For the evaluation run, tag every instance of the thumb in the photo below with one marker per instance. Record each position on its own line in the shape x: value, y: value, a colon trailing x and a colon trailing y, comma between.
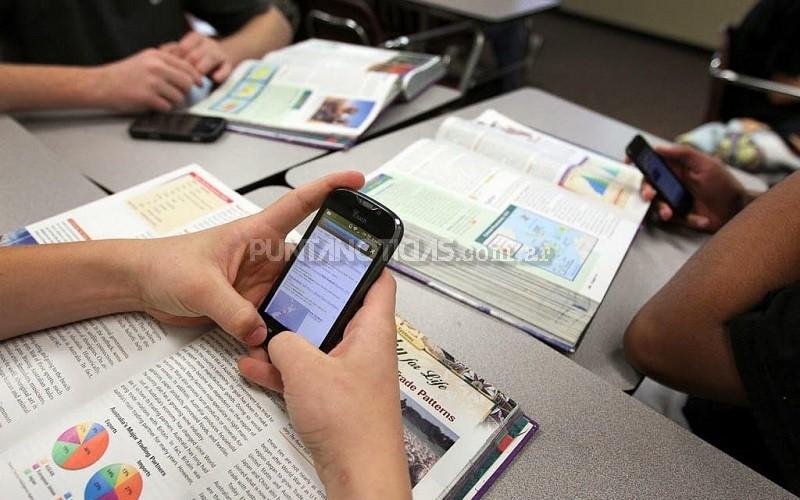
x: 235, y: 314
x: 290, y: 352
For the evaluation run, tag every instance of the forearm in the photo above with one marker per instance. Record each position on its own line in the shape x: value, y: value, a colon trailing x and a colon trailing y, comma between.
x: 680, y: 336
x: 262, y: 34
x: 48, y: 285
x: 24, y: 87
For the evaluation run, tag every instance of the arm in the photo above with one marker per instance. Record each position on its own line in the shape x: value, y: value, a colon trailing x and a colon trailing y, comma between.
x: 151, y: 79
x: 217, y: 274
x: 345, y: 406
x: 680, y: 337
x: 33, y: 87
x: 263, y: 33
x: 47, y: 285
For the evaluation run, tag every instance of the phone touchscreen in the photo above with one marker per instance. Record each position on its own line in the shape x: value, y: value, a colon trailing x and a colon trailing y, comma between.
x: 324, y: 275
x: 660, y: 174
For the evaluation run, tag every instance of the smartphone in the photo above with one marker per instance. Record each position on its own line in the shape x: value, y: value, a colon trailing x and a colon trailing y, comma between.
x: 660, y: 176
x: 177, y: 127
x: 324, y: 283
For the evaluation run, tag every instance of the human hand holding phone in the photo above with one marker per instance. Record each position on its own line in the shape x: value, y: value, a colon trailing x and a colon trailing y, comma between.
x: 717, y: 194
x: 345, y: 404
x: 223, y: 273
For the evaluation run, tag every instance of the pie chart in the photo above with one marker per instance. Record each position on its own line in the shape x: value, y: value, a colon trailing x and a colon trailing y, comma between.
x: 80, y: 446
x: 114, y: 482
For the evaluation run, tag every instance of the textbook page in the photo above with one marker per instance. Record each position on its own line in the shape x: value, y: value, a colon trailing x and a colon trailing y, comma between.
x: 189, y: 426
x: 44, y: 374
x: 525, y: 250
x: 555, y: 161
x: 284, y: 93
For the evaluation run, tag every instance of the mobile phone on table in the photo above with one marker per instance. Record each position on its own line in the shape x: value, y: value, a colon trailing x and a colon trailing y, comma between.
x: 330, y: 271
x: 660, y: 175
x: 177, y: 127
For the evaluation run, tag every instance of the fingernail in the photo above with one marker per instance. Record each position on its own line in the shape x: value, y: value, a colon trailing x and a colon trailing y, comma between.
x: 256, y: 337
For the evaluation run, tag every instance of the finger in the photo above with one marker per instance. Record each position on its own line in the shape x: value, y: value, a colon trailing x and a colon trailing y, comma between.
x: 261, y: 373
x: 170, y: 48
x: 207, y: 62
x: 379, y: 303
x: 697, y: 221
x: 373, y: 326
x: 195, y: 56
x: 181, y: 66
x: 181, y: 81
x: 292, y: 355
x: 648, y: 192
x: 290, y: 210
x: 171, y: 93
x: 222, y: 73
x: 190, y: 41
x: 664, y: 211
x: 158, y: 103
x: 232, y: 312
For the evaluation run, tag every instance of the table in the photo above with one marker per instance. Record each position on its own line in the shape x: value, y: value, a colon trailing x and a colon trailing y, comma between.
x: 655, y: 253
x: 494, y: 11
x: 98, y: 144
x: 595, y: 440
x: 476, y: 16
x: 34, y: 184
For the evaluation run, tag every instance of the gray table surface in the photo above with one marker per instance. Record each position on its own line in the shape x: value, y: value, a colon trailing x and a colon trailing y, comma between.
x: 491, y: 11
x: 98, y: 144
x: 655, y: 254
x: 34, y: 183
x: 595, y: 441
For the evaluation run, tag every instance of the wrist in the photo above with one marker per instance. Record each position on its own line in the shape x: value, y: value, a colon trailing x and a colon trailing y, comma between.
x: 92, y: 88
x: 125, y: 270
x: 368, y: 469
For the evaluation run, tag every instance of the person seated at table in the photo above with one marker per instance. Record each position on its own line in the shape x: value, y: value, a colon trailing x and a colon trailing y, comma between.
x: 725, y: 329
x: 128, y: 56
x: 211, y: 275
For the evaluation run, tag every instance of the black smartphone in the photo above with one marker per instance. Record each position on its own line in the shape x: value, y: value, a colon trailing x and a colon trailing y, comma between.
x: 660, y: 176
x: 177, y: 127
x: 324, y: 283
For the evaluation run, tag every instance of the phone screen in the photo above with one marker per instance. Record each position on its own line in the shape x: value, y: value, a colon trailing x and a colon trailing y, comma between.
x: 324, y: 275
x: 661, y: 176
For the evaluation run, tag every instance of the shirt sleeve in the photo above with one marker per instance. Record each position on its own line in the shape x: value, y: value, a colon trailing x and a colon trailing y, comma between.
x: 766, y: 348
x: 227, y: 16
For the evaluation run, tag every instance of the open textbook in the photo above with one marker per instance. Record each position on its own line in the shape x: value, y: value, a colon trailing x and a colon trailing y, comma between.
x: 319, y: 92
x: 123, y: 407
x: 519, y: 224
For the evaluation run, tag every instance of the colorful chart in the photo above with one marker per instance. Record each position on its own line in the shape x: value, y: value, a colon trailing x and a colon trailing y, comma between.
x: 80, y: 446
x: 114, y: 482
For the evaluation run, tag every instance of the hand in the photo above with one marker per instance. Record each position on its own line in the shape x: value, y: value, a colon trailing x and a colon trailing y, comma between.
x: 224, y: 273
x: 718, y: 196
x: 345, y: 406
x: 150, y: 79
x: 204, y: 53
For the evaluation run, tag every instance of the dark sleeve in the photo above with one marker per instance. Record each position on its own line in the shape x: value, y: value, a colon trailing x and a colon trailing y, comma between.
x: 766, y: 42
x: 766, y: 348
x: 227, y: 16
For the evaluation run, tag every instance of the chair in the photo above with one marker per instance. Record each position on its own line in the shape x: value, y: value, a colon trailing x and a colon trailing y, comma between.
x: 735, y: 93
x: 352, y: 21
